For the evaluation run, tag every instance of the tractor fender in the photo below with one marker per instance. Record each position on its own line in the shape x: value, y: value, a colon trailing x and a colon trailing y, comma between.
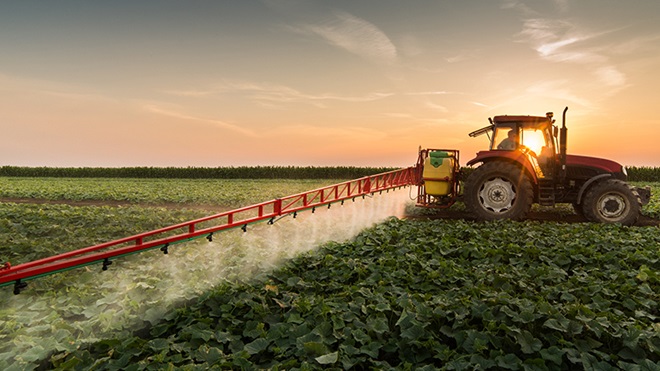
x: 510, y: 156
x: 588, y: 183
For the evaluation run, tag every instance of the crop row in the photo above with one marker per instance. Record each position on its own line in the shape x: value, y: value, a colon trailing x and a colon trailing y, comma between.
x: 635, y: 173
x: 229, y: 193
x: 423, y: 295
x: 239, y: 172
x: 644, y: 174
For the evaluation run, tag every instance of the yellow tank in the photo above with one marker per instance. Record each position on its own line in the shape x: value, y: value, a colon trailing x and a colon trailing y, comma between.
x: 438, y: 173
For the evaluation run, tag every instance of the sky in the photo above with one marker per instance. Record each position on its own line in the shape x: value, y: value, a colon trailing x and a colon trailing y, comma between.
x: 319, y: 83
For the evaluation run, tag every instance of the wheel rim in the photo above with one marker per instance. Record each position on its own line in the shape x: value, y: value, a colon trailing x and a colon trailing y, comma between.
x: 497, y: 195
x: 612, y: 206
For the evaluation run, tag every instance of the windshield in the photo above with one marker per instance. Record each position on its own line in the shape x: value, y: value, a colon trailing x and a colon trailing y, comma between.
x: 509, y: 138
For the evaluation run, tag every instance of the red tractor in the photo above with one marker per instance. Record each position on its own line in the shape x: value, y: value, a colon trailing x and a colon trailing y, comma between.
x: 527, y: 163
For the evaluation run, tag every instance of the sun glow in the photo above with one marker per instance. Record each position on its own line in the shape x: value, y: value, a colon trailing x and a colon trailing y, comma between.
x: 533, y: 140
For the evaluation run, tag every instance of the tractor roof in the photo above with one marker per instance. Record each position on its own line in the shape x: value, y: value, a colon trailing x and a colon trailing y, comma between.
x: 526, y: 121
x: 534, y: 122
x: 507, y: 118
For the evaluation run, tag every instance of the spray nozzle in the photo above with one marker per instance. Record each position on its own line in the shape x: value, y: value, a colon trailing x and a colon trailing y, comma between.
x: 106, y: 263
x: 244, y: 228
x: 210, y: 237
x: 164, y: 249
x: 18, y: 286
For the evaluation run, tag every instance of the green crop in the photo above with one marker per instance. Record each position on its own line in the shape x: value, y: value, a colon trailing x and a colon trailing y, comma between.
x: 643, y: 173
x: 30, y: 232
x: 228, y: 193
x: 410, y: 294
x: 239, y: 172
x: 404, y: 294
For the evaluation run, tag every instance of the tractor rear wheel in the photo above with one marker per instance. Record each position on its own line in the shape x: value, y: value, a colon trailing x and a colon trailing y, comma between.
x: 498, y: 190
x: 611, y: 201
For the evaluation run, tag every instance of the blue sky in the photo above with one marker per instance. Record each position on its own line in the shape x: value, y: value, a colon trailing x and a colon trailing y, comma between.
x: 220, y: 83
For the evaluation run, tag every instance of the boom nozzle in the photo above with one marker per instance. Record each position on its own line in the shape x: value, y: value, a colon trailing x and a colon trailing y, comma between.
x: 18, y: 286
x: 106, y: 263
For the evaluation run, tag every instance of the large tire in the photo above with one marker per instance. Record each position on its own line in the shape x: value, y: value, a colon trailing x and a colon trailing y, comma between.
x: 611, y: 201
x: 498, y: 190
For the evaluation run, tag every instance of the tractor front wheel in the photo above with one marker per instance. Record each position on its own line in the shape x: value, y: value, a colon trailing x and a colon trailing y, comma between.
x: 611, y: 201
x: 498, y: 190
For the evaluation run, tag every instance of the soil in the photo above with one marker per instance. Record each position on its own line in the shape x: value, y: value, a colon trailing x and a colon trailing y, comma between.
x: 643, y: 221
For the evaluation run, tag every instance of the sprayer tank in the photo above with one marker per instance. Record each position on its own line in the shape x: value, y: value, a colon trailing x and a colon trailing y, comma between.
x: 438, y: 173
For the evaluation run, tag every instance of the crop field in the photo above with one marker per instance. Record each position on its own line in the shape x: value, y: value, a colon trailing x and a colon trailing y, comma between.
x: 225, y: 193
x: 347, y: 287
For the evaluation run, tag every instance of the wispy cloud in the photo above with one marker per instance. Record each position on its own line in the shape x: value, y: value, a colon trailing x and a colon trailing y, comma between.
x: 272, y: 94
x: 564, y: 42
x: 559, y: 90
x: 526, y: 10
x: 165, y: 111
x: 431, y: 92
x: 480, y: 104
x: 354, y: 35
x: 353, y: 132
x: 519, y: 6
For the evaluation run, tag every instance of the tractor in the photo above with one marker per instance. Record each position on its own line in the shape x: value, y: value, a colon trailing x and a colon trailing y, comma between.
x: 527, y: 163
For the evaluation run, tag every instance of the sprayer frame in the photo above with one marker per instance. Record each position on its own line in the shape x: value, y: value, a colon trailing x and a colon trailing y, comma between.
x: 239, y: 218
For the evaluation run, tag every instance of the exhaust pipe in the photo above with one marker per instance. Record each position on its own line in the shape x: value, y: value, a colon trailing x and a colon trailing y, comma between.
x: 563, y: 138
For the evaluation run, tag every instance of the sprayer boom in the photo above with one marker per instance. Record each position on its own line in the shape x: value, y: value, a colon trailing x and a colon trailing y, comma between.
x: 240, y: 218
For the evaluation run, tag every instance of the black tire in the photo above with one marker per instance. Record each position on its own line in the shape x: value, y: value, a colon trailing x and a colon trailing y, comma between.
x: 611, y: 201
x: 498, y: 190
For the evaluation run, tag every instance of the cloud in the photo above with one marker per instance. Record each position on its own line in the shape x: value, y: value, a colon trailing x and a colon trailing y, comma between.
x: 563, y: 42
x: 157, y: 109
x: 355, y: 133
x: 524, y: 9
x: 432, y: 92
x: 268, y: 94
x: 648, y: 43
x: 356, y: 36
x: 561, y: 90
x: 519, y: 6
x: 611, y: 76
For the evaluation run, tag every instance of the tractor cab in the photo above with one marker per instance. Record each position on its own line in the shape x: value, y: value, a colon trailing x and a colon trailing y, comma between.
x: 529, y: 139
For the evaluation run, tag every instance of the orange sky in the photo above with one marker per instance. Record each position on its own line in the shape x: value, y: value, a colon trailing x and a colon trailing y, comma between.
x: 292, y: 82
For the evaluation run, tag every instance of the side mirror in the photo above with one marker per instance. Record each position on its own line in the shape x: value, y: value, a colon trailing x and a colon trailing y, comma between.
x: 555, y: 131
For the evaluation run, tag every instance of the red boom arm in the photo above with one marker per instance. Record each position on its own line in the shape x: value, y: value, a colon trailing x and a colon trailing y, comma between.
x: 162, y: 237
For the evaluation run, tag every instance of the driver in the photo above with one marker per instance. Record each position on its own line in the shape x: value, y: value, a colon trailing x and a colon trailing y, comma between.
x: 510, y: 142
